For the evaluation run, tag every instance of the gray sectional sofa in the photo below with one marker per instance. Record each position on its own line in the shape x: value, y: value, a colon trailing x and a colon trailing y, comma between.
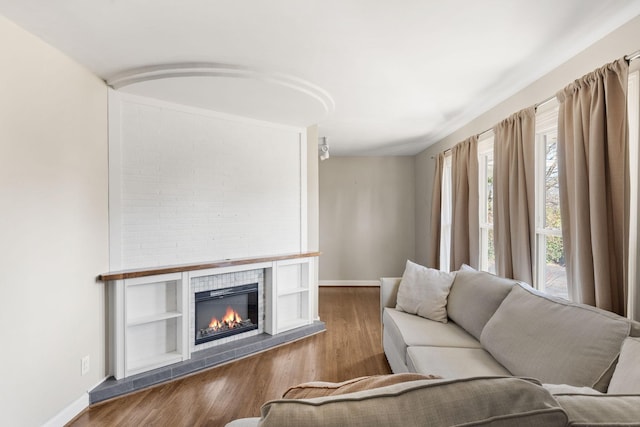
x: 498, y: 326
x: 507, y: 354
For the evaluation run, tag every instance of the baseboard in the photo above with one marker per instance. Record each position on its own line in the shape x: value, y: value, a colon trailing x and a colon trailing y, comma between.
x: 348, y: 283
x: 70, y: 412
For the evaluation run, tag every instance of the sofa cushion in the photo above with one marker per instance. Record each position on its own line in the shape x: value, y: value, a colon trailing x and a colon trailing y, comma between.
x: 403, y: 329
x: 626, y: 377
x: 413, y: 330
x: 474, y: 297
x: 499, y: 401
x: 321, y: 388
x: 450, y: 362
x: 423, y: 291
x: 554, y: 340
x: 601, y: 410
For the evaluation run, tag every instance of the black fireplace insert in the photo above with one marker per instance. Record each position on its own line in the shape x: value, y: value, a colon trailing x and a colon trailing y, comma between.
x: 224, y: 312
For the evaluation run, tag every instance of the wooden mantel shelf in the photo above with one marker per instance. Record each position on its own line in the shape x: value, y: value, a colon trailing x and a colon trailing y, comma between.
x: 143, y: 272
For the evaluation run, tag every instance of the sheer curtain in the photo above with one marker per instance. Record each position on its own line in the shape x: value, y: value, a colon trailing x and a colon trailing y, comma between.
x: 465, y: 229
x: 514, y: 195
x: 436, y: 201
x: 593, y: 171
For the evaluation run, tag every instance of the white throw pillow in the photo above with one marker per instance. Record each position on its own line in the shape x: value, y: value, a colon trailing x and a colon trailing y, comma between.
x: 466, y: 267
x: 626, y: 377
x: 424, y: 291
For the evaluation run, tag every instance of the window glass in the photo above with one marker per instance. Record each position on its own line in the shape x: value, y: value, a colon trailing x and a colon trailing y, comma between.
x: 445, y: 216
x: 485, y: 193
x: 549, y: 262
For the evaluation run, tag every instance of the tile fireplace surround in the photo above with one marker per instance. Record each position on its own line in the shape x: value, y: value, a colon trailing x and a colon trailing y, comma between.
x: 151, y: 317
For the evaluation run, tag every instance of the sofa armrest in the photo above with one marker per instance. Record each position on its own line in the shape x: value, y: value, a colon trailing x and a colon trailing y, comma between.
x: 388, y: 292
x: 603, y: 409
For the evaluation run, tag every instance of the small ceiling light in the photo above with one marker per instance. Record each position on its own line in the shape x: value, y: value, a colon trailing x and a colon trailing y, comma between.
x: 323, y: 148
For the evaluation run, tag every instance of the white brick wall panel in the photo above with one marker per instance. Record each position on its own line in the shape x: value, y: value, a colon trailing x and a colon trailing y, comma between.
x: 196, y: 187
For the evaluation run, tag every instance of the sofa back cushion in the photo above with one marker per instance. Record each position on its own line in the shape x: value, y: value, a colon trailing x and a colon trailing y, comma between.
x: 626, y: 377
x: 474, y: 297
x: 554, y: 340
x: 497, y: 401
x: 635, y: 329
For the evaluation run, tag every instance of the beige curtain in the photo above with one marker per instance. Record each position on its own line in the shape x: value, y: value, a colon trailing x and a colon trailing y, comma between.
x: 465, y: 230
x: 433, y: 260
x: 594, y: 185
x: 514, y: 195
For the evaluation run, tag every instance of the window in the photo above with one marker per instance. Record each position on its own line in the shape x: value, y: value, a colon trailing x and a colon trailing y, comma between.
x: 485, y: 193
x: 550, y: 272
x: 445, y: 215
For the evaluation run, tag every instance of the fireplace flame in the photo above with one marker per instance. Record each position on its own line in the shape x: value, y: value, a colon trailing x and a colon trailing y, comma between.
x: 230, y: 320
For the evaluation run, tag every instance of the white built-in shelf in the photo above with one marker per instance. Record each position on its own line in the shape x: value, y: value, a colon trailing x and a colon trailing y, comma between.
x: 289, y: 295
x: 152, y: 362
x: 153, y: 318
x: 292, y: 324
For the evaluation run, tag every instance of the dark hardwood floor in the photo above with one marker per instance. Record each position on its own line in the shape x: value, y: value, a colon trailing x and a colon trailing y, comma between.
x: 351, y: 347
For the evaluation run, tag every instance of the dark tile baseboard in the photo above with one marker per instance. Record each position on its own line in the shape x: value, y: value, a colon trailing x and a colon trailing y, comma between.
x: 200, y: 360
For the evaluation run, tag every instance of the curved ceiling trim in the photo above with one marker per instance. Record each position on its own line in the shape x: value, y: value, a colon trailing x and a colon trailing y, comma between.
x: 168, y: 71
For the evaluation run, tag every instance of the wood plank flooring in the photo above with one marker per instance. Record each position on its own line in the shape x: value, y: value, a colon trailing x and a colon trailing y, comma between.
x: 351, y: 347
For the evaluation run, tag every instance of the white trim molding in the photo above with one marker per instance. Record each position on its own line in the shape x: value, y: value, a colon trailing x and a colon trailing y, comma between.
x: 216, y: 70
x: 70, y: 412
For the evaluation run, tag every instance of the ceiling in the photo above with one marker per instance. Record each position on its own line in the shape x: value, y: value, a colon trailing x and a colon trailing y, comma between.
x: 378, y: 77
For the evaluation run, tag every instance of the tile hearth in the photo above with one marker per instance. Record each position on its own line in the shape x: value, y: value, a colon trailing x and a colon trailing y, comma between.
x: 200, y: 360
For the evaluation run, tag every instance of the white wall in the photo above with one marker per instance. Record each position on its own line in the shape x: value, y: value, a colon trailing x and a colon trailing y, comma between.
x: 53, y: 228
x: 367, y: 213
x: 189, y: 185
x: 623, y: 41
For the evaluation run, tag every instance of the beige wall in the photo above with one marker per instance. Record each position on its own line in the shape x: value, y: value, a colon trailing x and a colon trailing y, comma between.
x: 621, y: 42
x: 366, y: 217
x: 53, y: 204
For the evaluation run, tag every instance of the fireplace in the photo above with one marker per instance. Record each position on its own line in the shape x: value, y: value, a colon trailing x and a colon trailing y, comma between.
x: 224, y: 312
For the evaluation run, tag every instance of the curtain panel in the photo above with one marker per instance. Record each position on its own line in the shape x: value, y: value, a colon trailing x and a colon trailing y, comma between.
x: 593, y: 160
x: 433, y: 260
x: 514, y: 195
x: 465, y: 229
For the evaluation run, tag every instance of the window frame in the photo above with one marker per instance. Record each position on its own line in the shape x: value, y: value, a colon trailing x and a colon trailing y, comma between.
x: 633, y: 116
